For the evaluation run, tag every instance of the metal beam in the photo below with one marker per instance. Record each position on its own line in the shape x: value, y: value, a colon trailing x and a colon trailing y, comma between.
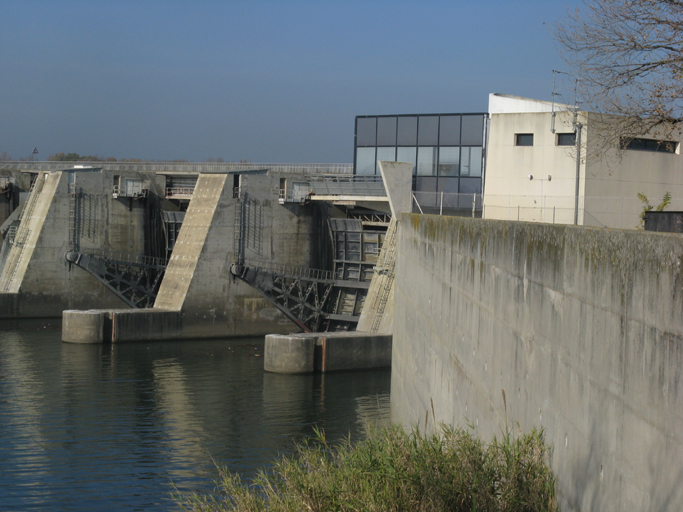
x: 134, y: 282
x: 303, y: 299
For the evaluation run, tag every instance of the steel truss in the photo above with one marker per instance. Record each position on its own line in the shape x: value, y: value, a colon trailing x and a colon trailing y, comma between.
x: 134, y: 282
x: 303, y: 296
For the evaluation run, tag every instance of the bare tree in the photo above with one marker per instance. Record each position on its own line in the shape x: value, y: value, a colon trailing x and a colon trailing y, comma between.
x: 628, y: 58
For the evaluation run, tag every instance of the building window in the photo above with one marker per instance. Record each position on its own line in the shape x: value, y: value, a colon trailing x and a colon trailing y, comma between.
x: 662, y: 146
x: 446, y: 150
x: 524, y: 139
x: 426, y: 161
x: 366, y: 131
x: 365, y: 161
x: 386, y: 131
x: 470, y: 164
x: 566, y: 139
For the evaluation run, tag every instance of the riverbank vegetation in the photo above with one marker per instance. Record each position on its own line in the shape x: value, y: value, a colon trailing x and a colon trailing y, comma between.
x: 392, y: 470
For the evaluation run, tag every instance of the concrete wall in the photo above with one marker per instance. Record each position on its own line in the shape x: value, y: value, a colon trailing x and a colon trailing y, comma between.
x: 508, y: 168
x: 42, y: 279
x: 10, y: 195
x: 326, y: 352
x: 198, y: 278
x: 610, y: 179
x: 581, y: 329
x: 625, y: 174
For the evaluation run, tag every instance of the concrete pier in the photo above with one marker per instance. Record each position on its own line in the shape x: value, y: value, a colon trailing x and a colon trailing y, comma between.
x: 326, y: 352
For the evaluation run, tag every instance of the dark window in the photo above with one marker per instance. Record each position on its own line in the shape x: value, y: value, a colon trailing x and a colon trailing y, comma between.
x: 386, y: 131
x: 407, y: 131
x: 449, y: 131
x: 366, y: 129
x: 566, y: 139
x: 524, y: 139
x: 449, y: 161
x: 470, y: 185
x: 448, y: 185
x: 472, y: 131
x: 663, y: 146
x: 425, y: 184
x: 428, y: 131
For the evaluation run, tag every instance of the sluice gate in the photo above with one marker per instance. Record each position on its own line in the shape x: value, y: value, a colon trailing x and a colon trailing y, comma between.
x: 323, y: 300
x: 135, y: 280
x: 308, y: 297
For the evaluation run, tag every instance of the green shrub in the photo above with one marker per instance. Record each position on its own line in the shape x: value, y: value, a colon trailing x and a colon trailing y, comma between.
x: 393, y: 470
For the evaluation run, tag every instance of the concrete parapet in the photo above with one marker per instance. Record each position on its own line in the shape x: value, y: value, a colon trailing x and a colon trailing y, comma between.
x: 289, y: 353
x: 326, y: 352
x: 352, y: 351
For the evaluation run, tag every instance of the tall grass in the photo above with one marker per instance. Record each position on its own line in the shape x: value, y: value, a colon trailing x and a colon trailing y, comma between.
x: 393, y: 470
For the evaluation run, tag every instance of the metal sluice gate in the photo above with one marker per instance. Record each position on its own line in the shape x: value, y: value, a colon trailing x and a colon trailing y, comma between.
x: 310, y: 298
x: 134, y: 282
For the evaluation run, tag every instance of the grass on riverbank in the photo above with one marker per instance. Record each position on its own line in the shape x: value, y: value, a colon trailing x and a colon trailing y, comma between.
x: 393, y: 470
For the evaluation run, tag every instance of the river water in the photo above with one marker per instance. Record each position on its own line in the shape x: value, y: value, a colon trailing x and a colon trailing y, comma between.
x: 116, y: 427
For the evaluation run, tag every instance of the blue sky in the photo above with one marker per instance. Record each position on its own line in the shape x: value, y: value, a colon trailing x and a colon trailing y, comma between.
x: 266, y: 81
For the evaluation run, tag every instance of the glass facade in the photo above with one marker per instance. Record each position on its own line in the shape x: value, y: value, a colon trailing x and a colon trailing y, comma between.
x: 447, y: 150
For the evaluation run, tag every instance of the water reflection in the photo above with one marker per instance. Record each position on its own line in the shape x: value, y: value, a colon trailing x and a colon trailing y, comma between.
x: 107, y: 427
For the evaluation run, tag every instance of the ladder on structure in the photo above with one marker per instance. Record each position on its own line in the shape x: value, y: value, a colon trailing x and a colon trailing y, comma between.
x: 239, y: 227
x: 22, y: 233
x: 386, y: 265
x: 73, y: 227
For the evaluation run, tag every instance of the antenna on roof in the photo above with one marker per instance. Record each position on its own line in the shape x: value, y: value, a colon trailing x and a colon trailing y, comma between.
x: 554, y: 113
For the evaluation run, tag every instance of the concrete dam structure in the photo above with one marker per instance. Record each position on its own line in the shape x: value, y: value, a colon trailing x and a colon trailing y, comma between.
x: 108, y: 233
x: 574, y: 330
x: 63, y: 211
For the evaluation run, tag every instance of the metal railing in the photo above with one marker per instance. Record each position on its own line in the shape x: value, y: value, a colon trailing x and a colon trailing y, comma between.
x: 120, y: 191
x: 293, y: 196
x: 442, y: 203
x: 295, y: 272
x: 180, y: 192
x: 347, y: 186
x: 599, y: 211
x: 184, y: 167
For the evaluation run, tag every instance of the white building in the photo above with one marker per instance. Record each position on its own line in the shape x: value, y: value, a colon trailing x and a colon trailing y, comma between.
x: 532, y: 171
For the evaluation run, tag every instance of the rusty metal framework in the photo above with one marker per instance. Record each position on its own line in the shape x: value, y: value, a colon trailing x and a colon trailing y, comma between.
x: 135, y: 280
x: 305, y: 296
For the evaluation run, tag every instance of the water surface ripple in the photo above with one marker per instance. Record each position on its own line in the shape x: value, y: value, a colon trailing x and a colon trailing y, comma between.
x: 114, y: 427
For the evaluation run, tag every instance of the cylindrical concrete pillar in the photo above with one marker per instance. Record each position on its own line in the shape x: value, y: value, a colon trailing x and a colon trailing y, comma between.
x: 289, y: 353
x: 83, y: 326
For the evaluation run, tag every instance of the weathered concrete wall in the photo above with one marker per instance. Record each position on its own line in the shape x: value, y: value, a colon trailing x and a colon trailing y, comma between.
x: 40, y: 276
x: 326, y: 352
x: 12, y: 184
x: 580, y: 328
x: 198, y: 287
x: 198, y: 278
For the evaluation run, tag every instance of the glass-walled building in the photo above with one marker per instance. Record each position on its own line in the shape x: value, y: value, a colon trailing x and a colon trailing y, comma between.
x: 447, y: 150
